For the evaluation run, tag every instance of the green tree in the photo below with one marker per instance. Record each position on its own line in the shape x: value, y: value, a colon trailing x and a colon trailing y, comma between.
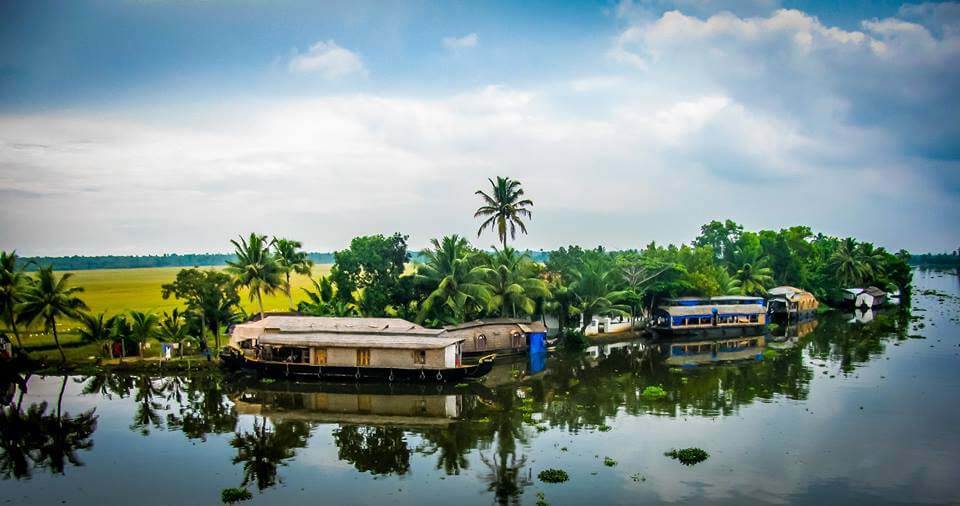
x: 173, y: 329
x: 372, y: 267
x: 13, y: 284
x: 319, y: 299
x: 48, y: 299
x: 96, y: 329
x: 513, y: 283
x: 452, y: 270
x: 753, y: 279
x: 291, y: 259
x: 504, y: 209
x: 143, y: 326
x: 255, y: 268
x: 848, y: 265
x: 209, y: 295
x: 594, y: 293
x: 721, y: 236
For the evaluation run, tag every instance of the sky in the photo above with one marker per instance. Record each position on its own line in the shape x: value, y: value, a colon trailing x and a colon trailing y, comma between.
x: 160, y: 126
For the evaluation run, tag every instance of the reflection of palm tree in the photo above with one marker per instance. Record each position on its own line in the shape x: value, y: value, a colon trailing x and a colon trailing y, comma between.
x: 35, y: 438
x: 263, y: 450
x: 377, y: 450
x: 205, y: 409
x: 453, y: 443
x: 505, y: 478
x: 147, y: 405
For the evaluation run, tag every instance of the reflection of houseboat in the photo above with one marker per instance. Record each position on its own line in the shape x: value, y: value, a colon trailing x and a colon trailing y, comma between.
x: 501, y: 335
x: 709, y: 351
x: 346, y: 406
x: 388, y: 349
x: 792, y: 333
x: 791, y: 302
x: 699, y: 314
x: 864, y: 297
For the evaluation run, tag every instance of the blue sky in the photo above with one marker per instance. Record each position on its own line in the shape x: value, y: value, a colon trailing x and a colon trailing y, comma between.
x: 151, y: 126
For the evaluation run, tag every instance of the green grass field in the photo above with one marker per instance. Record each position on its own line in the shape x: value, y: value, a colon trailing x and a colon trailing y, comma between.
x: 123, y: 290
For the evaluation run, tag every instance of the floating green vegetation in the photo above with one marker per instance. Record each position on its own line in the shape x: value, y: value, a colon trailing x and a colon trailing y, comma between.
x: 609, y: 462
x: 267, y: 381
x: 235, y: 495
x: 541, y: 500
x: 637, y: 477
x: 604, y: 428
x: 462, y: 385
x: 688, y: 456
x: 553, y: 476
x: 770, y: 354
x: 654, y: 392
x: 541, y: 428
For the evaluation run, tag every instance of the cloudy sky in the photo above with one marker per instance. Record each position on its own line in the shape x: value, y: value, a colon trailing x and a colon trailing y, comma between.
x: 156, y: 126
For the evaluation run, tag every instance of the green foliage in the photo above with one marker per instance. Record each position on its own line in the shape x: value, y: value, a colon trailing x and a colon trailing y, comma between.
x: 609, y: 462
x: 49, y: 298
x: 255, y: 268
x: 553, y: 476
x: 504, y: 209
x: 457, y: 280
x: 688, y: 456
x: 290, y: 259
x: 654, y: 392
x: 371, y: 268
x: 235, y: 495
x: 210, y: 296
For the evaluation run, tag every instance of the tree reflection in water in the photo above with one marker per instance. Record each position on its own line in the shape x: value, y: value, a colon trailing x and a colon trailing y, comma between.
x: 262, y: 450
x: 377, y: 450
x: 33, y: 438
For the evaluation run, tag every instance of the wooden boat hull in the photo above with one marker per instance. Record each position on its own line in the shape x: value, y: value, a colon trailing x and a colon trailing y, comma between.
x: 233, y: 359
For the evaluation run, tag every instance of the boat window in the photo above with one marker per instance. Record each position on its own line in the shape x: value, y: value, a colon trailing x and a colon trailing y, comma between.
x: 420, y: 356
x: 320, y: 356
x: 363, y: 357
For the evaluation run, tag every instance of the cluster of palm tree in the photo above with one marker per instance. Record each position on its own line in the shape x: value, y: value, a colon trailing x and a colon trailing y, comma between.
x: 855, y: 263
x: 264, y: 267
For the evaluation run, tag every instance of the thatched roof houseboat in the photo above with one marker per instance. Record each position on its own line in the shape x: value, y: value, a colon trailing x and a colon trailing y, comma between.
x: 791, y: 301
x: 388, y: 349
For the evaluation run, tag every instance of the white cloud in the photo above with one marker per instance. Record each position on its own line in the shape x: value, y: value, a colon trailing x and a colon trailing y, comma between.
x: 329, y: 60
x: 455, y: 43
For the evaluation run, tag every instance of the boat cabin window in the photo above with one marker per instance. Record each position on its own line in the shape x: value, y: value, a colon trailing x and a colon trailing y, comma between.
x: 363, y: 357
x: 246, y: 344
x: 286, y: 354
x: 419, y: 356
x: 320, y: 356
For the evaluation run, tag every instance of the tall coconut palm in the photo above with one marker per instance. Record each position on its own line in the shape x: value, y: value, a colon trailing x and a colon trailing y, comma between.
x: 453, y: 272
x: 872, y: 259
x: 173, y: 329
x: 255, y: 268
x: 513, y: 284
x: 753, y: 279
x: 96, y: 329
x: 143, y: 326
x: 504, y: 208
x: 291, y: 259
x: 13, y: 283
x: 848, y: 265
x: 49, y: 298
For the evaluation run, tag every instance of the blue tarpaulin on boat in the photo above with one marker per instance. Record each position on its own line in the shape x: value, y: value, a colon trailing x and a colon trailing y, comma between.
x: 538, y: 362
x: 538, y: 342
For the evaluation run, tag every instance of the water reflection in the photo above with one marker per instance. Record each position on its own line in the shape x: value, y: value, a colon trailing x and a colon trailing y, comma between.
x: 263, y: 449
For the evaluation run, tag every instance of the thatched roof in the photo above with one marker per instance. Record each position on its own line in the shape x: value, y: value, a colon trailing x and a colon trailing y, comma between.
x: 524, y: 325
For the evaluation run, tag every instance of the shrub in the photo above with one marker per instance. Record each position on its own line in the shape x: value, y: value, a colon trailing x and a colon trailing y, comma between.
x: 235, y: 495
x: 688, y: 456
x: 553, y: 476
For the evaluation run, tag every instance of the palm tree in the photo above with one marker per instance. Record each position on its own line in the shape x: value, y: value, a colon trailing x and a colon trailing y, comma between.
x: 727, y: 284
x: 504, y: 208
x: 595, y: 295
x: 513, y: 283
x: 872, y: 258
x: 143, y: 326
x: 13, y: 283
x: 49, y: 298
x: 96, y: 329
x: 173, y: 329
x: 319, y: 299
x: 290, y: 259
x: 753, y: 279
x: 255, y: 268
x: 452, y: 270
x: 848, y: 265
x: 120, y: 331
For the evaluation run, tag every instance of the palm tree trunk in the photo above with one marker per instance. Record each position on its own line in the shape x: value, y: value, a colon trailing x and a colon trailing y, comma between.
x: 260, y: 303
x: 16, y: 334
x: 289, y: 295
x: 56, y: 339
x: 216, y: 335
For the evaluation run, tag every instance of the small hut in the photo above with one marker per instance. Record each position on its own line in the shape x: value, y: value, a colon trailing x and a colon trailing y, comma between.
x: 791, y: 301
x: 500, y: 335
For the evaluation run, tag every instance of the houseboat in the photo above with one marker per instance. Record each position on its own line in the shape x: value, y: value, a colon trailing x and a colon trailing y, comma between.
x: 328, y: 348
x: 790, y: 302
x: 727, y: 314
x: 504, y: 336
x: 865, y: 298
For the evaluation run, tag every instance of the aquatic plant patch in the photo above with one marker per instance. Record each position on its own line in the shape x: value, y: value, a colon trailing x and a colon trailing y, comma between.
x: 609, y: 462
x: 654, y: 392
x: 688, y: 456
x: 235, y: 495
x: 553, y: 476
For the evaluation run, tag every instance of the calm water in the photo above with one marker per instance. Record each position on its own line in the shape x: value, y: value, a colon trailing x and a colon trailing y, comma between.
x: 848, y: 412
